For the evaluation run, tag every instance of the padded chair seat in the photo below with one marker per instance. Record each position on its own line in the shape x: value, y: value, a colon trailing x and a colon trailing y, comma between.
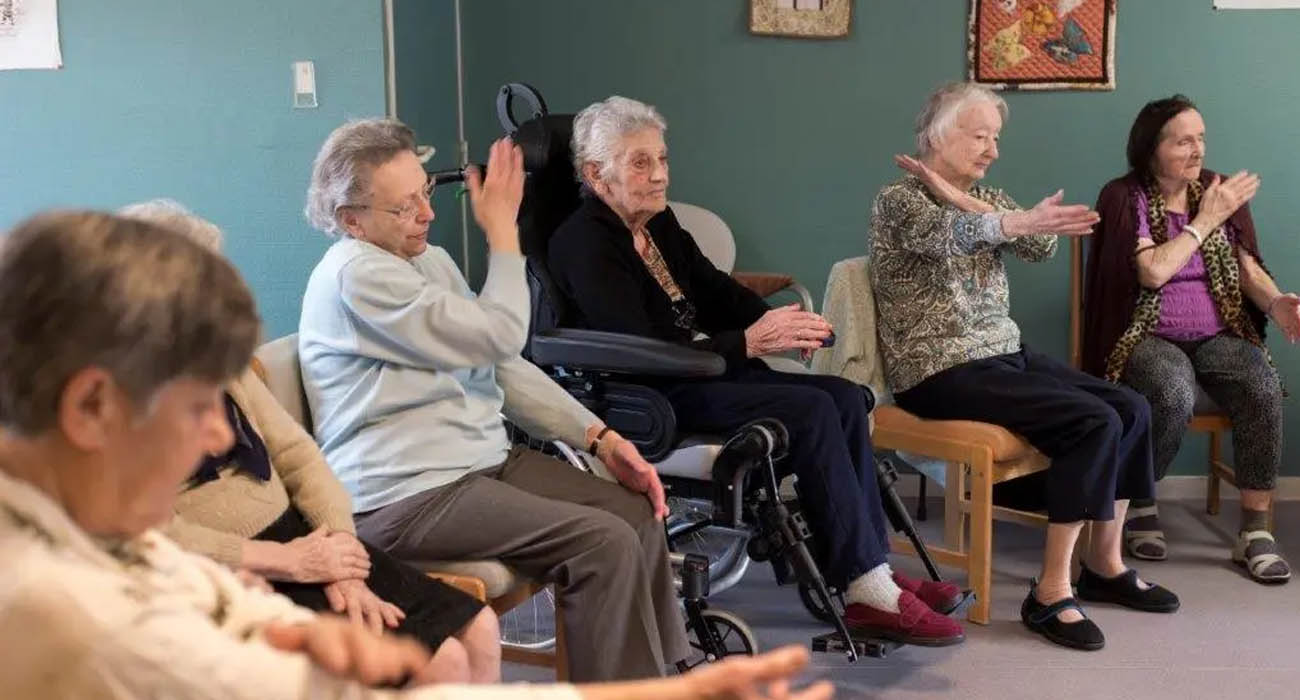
x: 1006, y: 445
x: 498, y: 578
x: 693, y: 458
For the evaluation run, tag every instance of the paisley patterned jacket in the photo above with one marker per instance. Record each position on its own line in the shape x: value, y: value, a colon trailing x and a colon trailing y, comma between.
x: 939, y: 281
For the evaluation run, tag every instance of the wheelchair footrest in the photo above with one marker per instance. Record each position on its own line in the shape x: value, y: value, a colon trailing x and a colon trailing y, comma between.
x: 875, y: 647
x: 967, y: 598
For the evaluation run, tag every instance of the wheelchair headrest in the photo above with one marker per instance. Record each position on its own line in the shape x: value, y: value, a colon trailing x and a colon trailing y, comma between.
x: 547, y: 141
x: 551, y: 191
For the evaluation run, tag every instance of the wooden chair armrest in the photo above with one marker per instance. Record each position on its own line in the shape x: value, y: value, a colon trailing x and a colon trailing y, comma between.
x: 468, y: 584
x: 258, y: 368
x: 764, y: 284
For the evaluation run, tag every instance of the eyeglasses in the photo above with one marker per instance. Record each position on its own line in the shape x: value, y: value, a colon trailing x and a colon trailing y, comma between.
x: 405, y: 213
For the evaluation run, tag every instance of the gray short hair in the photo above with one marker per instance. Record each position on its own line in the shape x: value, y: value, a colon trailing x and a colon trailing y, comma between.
x: 942, y: 107
x: 341, y: 173
x: 598, y: 130
x: 173, y: 215
x: 83, y: 289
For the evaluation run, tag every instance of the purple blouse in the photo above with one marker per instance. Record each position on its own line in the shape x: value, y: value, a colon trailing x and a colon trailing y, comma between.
x: 1187, y: 309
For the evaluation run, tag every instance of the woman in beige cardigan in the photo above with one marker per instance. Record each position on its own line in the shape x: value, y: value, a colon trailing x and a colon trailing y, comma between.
x: 272, y: 506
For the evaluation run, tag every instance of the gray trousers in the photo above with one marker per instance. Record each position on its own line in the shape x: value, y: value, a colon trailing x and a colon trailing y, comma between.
x: 1236, y: 374
x: 597, y: 541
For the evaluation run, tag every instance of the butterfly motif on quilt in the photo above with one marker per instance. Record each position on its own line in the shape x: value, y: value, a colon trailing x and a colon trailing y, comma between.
x: 1072, y: 44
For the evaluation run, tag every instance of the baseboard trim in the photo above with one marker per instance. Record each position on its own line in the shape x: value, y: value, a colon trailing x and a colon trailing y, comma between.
x: 1169, y: 488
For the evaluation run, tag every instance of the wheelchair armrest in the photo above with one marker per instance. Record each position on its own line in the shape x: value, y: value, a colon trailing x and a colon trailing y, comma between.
x: 765, y: 284
x: 623, y: 354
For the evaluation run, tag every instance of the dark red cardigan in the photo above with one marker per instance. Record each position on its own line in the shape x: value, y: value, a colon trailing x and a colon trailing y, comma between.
x: 1110, y: 283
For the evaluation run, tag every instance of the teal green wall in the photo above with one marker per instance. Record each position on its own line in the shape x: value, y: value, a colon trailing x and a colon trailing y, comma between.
x: 788, y: 140
x: 191, y: 100
x: 425, y: 38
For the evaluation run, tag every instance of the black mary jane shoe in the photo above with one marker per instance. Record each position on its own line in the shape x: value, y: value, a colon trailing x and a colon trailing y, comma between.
x: 1123, y: 590
x: 1084, y: 634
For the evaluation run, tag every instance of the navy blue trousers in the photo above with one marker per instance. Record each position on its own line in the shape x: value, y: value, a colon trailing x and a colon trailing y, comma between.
x: 830, y: 454
x: 1097, y: 433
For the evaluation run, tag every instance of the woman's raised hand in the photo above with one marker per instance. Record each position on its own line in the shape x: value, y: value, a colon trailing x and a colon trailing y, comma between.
x: 942, y: 190
x: 1223, y: 198
x: 496, y: 197
x: 1050, y: 217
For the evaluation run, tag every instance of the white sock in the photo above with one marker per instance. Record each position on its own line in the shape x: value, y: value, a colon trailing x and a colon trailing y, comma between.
x: 875, y: 589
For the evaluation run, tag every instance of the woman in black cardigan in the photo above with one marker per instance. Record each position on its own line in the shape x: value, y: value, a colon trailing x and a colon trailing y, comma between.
x: 627, y: 266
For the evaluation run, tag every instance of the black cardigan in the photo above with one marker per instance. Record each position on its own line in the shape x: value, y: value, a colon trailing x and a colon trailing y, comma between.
x: 594, y: 265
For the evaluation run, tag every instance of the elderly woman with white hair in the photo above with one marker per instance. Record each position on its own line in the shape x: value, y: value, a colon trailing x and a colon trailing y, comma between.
x: 408, y: 373
x: 952, y: 352
x: 270, y: 505
x: 130, y: 332
x: 627, y: 266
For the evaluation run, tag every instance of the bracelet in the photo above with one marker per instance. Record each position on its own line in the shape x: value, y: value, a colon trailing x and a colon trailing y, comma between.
x: 1200, y: 237
x: 1271, y: 304
x: 601, y: 434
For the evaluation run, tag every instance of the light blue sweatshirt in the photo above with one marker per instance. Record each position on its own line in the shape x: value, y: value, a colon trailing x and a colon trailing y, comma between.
x: 408, y: 372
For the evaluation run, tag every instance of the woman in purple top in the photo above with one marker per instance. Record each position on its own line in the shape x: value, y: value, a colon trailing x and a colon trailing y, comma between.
x: 1176, y: 298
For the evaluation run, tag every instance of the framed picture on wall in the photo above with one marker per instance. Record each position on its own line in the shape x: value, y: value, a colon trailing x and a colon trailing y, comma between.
x: 1042, y: 44
x: 804, y: 19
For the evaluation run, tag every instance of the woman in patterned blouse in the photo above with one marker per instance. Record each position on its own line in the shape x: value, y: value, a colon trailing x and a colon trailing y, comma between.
x: 952, y: 352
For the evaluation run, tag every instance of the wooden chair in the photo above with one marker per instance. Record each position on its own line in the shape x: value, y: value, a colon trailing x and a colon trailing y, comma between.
x: 276, y: 363
x: 1207, y: 417
x: 978, y: 455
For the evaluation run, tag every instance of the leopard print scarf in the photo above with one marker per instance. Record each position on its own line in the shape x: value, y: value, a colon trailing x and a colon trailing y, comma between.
x: 1221, y: 268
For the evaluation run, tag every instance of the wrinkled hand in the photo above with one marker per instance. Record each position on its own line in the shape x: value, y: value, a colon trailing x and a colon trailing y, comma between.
x: 763, y: 677
x: 325, y: 557
x: 352, y: 651
x: 362, y: 606
x: 632, y: 471
x: 1222, y: 198
x: 1285, y: 312
x: 942, y: 190
x: 786, y: 328
x: 1052, y: 217
x: 496, y: 199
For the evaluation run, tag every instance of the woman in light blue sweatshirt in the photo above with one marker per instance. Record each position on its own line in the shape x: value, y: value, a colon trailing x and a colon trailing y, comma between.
x: 408, y: 374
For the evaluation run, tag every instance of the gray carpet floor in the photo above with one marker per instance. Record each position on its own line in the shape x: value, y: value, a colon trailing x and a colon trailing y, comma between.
x: 1232, y: 638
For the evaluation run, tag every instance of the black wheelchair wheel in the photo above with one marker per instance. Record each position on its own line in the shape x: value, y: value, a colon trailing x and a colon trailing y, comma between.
x: 735, y: 637
x: 813, y: 604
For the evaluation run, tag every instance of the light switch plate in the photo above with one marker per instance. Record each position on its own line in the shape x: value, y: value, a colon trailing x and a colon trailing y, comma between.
x: 304, y: 85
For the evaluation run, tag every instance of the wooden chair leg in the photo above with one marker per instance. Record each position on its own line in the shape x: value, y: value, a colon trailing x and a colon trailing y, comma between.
x: 1212, y: 482
x: 981, y: 537
x: 954, y: 520
x: 561, y: 646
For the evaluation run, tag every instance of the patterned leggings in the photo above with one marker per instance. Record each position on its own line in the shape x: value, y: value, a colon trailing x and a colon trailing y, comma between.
x: 1233, y: 372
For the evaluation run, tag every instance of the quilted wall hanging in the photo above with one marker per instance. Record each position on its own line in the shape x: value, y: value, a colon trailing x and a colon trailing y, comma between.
x: 1042, y: 44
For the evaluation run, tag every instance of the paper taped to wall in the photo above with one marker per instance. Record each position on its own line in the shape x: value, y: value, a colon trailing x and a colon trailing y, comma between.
x: 29, y: 34
x: 1255, y: 4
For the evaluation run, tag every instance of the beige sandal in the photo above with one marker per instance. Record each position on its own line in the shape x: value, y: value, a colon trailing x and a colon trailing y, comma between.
x: 1256, y: 551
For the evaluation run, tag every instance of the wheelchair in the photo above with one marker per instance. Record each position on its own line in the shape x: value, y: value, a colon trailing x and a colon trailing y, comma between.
x: 727, y: 505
